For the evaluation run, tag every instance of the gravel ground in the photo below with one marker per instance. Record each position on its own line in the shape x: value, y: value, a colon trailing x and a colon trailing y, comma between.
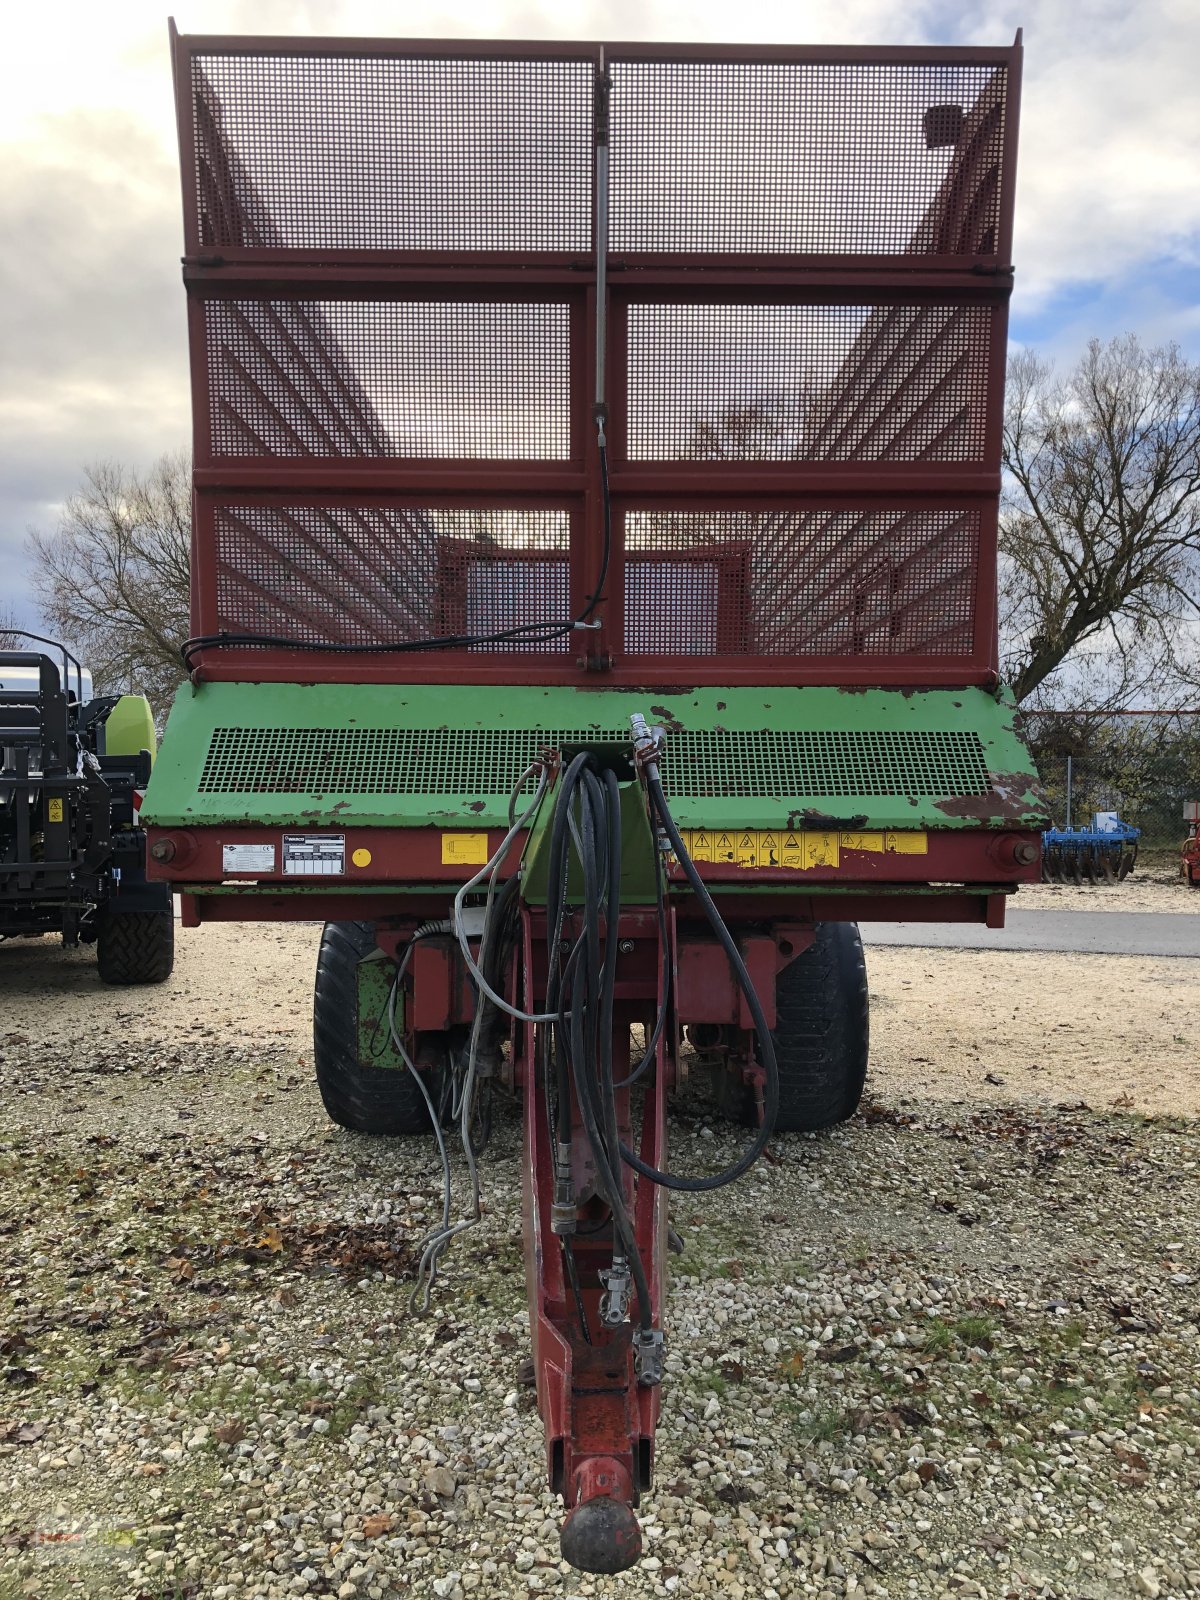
x: 950, y: 1349
x: 1157, y: 889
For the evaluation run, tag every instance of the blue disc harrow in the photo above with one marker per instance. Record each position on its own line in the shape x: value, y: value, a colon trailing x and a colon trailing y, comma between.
x: 1089, y: 855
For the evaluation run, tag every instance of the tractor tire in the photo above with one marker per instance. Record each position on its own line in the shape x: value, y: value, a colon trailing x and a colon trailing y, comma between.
x: 364, y: 1099
x: 135, y: 946
x: 820, y: 1035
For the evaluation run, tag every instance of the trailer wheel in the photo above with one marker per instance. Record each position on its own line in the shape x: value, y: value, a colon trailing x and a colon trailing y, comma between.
x: 820, y: 1035
x: 135, y: 946
x: 357, y: 1096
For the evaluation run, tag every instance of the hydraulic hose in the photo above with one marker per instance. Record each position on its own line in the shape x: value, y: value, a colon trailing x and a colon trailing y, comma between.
x: 670, y: 1180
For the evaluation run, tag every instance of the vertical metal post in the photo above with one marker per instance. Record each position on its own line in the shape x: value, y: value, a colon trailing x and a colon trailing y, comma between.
x: 600, y: 135
x: 1069, y: 778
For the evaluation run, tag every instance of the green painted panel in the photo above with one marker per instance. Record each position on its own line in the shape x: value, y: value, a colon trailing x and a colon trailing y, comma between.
x: 637, y: 854
x: 374, y: 984
x: 129, y: 727
x: 374, y: 755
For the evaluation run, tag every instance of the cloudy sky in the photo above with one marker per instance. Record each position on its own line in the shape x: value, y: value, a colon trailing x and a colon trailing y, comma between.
x: 92, y: 353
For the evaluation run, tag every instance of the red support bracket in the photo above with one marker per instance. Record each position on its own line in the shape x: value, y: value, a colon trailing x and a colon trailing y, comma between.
x: 600, y: 1420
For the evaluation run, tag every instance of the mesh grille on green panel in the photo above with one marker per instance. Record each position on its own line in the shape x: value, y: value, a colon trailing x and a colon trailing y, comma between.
x: 489, y: 761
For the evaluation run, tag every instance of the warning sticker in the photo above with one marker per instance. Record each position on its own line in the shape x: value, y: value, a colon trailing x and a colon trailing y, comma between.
x: 54, y: 811
x: 797, y: 851
x: 255, y: 858
x: 906, y: 844
x: 314, y: 855
x: 862, y: 841
x: 464, y: 849
x: 820, y: 849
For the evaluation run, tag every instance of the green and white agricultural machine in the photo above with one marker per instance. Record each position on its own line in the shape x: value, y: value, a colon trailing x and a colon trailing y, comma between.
x: 597, y: 464
x: 73, y: 766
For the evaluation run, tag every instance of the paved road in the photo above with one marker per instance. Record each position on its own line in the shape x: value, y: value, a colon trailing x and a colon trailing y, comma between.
x: 1114, y: 933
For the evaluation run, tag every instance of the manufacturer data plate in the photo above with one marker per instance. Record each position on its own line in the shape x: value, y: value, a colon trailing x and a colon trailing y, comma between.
x: 256, y: 858
x: 314, y: 855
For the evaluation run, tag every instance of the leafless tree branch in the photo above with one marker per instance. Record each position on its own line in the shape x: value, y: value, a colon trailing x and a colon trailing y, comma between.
x: 1100, y: 525
x: 112, y: 579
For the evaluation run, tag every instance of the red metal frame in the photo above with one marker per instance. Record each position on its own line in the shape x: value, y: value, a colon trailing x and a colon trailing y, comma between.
x: 599, y: 1419
x: 919, y: 277
x: 411, y: 858
x: 600, y: 1423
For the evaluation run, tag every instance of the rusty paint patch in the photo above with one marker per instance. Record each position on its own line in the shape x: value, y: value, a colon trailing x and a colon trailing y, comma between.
x: 1013, y: 797
x: 822, y: 822
x: 668, y: 719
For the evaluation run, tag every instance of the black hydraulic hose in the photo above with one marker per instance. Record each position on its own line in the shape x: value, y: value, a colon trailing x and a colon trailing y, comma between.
x: 652, y: 1044
x: 556, y: 895
x: 670, y: 1180
x: 606, y: 803
x: 582, y: 989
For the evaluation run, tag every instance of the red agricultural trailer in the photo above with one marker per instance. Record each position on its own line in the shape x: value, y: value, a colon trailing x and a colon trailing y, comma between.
x: 597, y: 463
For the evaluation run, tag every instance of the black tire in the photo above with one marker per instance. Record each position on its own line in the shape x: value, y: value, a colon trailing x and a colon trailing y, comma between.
x: 360, y: 1097
x: 821, y: 1035
x: 135, y: 946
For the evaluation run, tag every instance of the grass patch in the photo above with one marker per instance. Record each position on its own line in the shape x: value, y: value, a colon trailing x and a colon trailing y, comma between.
x: 978, y: 1332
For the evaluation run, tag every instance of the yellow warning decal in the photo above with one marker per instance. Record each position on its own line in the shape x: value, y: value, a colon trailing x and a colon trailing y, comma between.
x: 700, y: 845
x: 464, y: 849
x: 54, y: 811
x: 361, y: 857
x: 797, y: 851
x: 906, y: 844
x: 862, y: 841
x: 821, y: 849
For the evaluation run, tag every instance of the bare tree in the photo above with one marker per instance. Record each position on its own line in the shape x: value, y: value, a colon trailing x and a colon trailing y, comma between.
x: 112, y: 580
x: 1100, y: 526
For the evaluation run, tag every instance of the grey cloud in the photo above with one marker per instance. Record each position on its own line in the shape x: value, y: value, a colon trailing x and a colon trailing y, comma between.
x: 92, y: 349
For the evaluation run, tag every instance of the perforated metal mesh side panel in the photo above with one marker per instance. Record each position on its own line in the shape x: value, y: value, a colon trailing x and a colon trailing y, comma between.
x: 346, y: 404
x: 373, y: 574
x: 813, y: 582
x: 829, y: 764
x: 392, y: 153
x: 832, y: 764
x: 381, y: 760
x: 813, y: 158
x: 389, y: 378
x: 807, y: 383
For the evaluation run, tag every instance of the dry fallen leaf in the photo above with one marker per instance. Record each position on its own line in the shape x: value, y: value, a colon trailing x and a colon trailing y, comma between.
x: 375, y: 1527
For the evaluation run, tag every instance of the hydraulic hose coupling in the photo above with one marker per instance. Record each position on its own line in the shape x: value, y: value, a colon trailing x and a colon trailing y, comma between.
x: 562, y: 1207
x: 648, y: 1355
x: 618, y: 1286
x: 647, y: 744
